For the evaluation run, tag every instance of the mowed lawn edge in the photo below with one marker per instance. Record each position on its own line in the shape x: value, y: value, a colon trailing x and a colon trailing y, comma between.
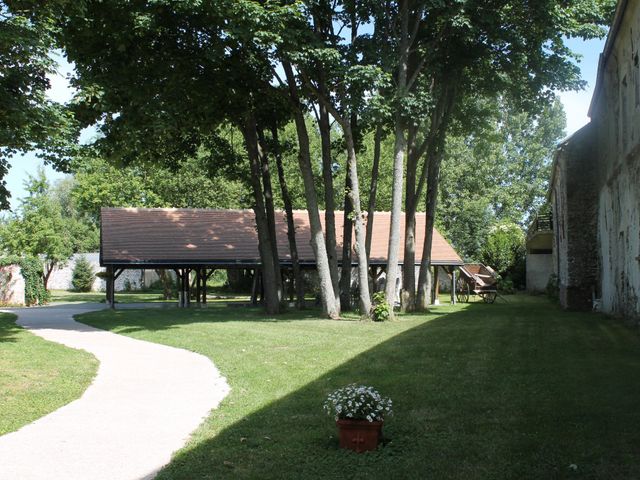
x: 511, y: 390
x: 37, y: 376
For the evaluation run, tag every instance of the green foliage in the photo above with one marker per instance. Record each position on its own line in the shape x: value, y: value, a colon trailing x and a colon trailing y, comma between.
x: 97, y: 183
x: 47, y: 226
x: 31, y: 269
x: 380, y: 309
x: 28, y: 119
x: 498, y: 173
x: 83, y: 275
x: 505, y: 251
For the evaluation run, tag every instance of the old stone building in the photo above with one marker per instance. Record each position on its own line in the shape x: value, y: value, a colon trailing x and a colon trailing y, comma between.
x: 595, y: 185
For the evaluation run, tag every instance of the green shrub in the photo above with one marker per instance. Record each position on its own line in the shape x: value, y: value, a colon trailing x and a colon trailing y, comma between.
x: 31, y: 269
x: 505, y: 252
x: 505, y: 285
x: 553, y: 287
x: 381, y: 310
x: 83, y: 275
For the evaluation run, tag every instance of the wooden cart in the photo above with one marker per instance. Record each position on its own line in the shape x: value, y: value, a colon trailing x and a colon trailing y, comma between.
x: 476, y: 279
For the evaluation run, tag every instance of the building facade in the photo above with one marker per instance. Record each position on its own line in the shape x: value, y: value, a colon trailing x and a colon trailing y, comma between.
x: 595, y: 187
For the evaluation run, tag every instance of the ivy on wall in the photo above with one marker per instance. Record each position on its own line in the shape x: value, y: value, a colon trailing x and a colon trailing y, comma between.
x: 31, y: 269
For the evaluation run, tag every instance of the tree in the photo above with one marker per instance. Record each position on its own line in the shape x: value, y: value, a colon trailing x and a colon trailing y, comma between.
x: 505, y: 251
x: 497, y: 173
x: 28, y: 119
x: 39, y: 228
x: 475, y: 55
x: 162, y: 93
x: 83, y: 275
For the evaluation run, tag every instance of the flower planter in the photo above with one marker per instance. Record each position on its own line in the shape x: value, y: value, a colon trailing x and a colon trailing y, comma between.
x: 359, y: 435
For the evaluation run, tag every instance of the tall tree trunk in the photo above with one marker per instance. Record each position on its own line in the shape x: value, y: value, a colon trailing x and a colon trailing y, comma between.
x: 435, y: 153
x: 398, y: 160
x: 167, y: 283
x: 424, y: 278
x: 329, y: 305
x: 409, y: 271
x: 270, y: 270
x: 329, y: 198
x: 270, y: 208
x: 347, y: 242
x: 373, y: 188
x: 361, y: 251
x: 291, y: 229
x: 48, y: 270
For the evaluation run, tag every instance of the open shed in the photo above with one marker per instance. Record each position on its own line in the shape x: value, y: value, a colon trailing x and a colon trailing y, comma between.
x: 203, y: 240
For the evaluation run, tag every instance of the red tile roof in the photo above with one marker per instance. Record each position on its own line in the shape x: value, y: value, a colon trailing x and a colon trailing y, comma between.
x: 168, y: 236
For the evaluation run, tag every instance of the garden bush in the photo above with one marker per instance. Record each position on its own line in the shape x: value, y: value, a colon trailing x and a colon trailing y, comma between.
x: 83, y: 275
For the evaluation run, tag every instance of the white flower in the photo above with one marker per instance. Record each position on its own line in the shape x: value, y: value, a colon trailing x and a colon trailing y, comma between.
x: 357, y: 402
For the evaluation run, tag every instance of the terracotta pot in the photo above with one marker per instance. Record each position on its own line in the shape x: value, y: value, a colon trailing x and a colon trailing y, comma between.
x: 359, y: 435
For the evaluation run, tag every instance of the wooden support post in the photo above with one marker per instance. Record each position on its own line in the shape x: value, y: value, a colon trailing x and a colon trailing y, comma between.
x: 453, y: 285
x: 436, y: 285
x: 203, y: 293
x: 206, y: 279
x: 198, y: 286
x: 109, y: 287
x: 254, y: 287
x: 187, y: 287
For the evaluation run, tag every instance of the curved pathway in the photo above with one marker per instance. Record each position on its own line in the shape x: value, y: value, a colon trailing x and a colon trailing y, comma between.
x: 142, y: 406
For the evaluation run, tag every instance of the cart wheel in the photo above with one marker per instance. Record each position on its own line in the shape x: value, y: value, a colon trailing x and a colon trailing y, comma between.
x: 489, y: 297
x: 462, y: 290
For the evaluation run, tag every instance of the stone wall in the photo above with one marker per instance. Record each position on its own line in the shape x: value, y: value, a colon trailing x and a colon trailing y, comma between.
x: 60, y: 278
x: 616, y: 118
x: 11, y: 286
x: 539, y: 269
x: 574, y: 202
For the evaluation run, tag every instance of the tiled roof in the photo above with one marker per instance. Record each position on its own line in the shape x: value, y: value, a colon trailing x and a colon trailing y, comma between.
x: 168, y: 236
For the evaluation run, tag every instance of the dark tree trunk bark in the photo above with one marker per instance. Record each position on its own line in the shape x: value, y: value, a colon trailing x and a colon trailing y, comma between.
x: 435, y: 153
x: 373, y: 189
x: 424, y: 278
x: 329, y: 305
x: 270, y: 270
x: 361, y: 251
x: 270, y: 208
x: 409, y: 272
x: 400, y: 145
x: 291, y: 229
x: 166, y: 281
x: 48, y: 269
x: 347, y: 243
x: 329, y: 198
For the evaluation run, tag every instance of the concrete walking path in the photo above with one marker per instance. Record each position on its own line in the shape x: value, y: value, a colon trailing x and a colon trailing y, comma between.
x: 142, y: 406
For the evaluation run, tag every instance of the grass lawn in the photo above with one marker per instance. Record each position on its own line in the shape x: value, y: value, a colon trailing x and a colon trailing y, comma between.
x: 517, y: 390
x: 37, y: 376
x: 66, y: 296
x: 99, y: 297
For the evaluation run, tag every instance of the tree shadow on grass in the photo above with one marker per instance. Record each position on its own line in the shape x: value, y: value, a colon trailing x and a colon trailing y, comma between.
x: 156, y: 319
x: 487, y: 393
x: 8, y: 327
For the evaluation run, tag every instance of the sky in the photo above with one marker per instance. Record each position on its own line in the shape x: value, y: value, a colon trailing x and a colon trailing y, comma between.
x: 576, y: 106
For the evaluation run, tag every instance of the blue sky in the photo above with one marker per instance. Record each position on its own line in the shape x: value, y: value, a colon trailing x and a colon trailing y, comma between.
x: 576, y: 105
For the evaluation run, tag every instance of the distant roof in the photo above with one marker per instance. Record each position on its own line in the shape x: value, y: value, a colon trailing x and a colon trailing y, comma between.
x: 171, y: 237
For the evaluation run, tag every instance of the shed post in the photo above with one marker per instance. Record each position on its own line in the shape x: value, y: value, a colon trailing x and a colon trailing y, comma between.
x: 187, y: 287
x: 198, y: 285
x: 254, y: 286
x: 453, y: 285
x: 109, y: 287
x: 436, y: 285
